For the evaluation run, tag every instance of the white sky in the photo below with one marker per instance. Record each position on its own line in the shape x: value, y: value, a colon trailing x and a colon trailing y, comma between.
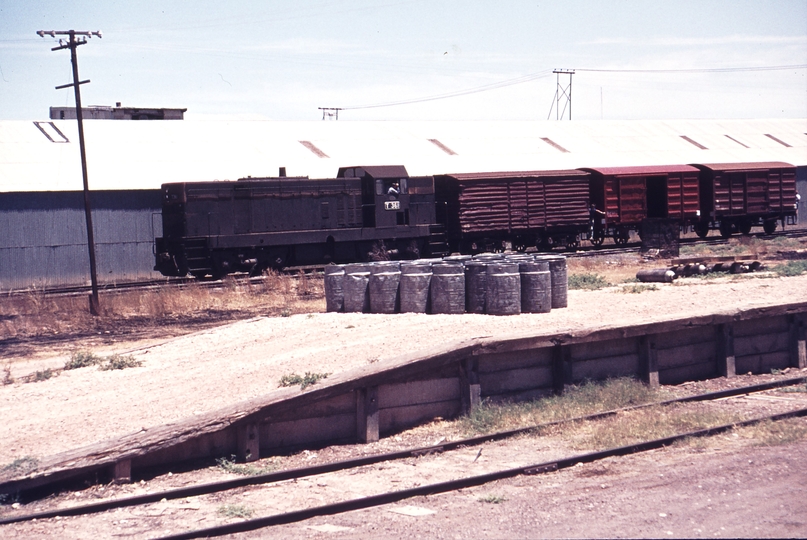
x: 282, y: 59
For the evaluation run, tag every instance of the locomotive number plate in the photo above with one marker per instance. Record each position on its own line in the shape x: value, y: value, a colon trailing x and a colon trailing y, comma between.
x: 392, y: 205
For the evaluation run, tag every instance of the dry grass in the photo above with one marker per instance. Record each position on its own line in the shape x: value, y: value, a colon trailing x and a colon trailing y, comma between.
x: 645, y: 424
x: 35, y: 318
x: 576, y: 401
x: 612, y: 268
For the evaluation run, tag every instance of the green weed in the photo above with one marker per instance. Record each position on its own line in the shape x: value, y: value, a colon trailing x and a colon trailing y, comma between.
x: 790, y: 268
x: 22, y: 465
x: 120, y: 362
x: 309, y: 379
x: 587, y: 281
x: 44, y: 375
x: 235, y: 511
x: 492, y: 499
x: 81, y: 359
x: 230, y: 466
x: 637, y: 289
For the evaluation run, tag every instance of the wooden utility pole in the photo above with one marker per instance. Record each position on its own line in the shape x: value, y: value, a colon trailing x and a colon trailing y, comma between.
x: 72, y: 44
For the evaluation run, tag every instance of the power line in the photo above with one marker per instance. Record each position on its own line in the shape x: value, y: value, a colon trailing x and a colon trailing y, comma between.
x: 703, y: 70
x: 468, y: 91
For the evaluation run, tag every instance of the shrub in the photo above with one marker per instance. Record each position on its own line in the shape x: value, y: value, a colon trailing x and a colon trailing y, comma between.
x: 82, y: 359
x: 587, y: 281
x: 293, y: 379
x: 120, y: 362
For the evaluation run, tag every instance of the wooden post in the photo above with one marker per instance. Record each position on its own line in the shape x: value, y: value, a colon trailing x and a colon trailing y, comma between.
x: 470, y: 389
x: 725, y: 350
x: 649, y: 360
x: 367, y: 414
x: 122, y: 472
x: 249, y: 443
x: 561, y: 367
x: 798, y: 340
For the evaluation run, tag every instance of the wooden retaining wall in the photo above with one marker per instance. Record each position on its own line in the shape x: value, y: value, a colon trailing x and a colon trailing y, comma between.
x: 389, y: 396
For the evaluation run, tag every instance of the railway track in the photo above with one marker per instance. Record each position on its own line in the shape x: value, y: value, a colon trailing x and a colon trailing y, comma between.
x: 587, y: 251
x: 439, y: 487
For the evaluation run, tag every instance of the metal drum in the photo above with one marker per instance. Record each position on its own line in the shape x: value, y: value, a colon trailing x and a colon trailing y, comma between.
x: 502, y: 289
x: 357, y: 279
x: 536, y: 287
x: 384, y: 280
x: 414, y: 288
x: 447, y: 293
x: 557, y: 269
x: 475, y: 286
x: 334, y: 288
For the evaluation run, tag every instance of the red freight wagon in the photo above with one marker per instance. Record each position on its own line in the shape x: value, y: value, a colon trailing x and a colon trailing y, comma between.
x: 737, y: 196
x: 484, y: 211
x: 621, y: 197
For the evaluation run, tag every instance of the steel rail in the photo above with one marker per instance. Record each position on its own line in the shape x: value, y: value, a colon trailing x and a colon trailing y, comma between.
x: 453, y: 485
x: 589, y: 251
x: 224, y: 485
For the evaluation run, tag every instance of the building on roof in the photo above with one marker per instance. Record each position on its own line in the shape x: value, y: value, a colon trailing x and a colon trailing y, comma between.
x: 40, y: 169
x: 100, y: 112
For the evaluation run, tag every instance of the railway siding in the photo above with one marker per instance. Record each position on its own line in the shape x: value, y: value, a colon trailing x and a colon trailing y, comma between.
x: 393, y: 394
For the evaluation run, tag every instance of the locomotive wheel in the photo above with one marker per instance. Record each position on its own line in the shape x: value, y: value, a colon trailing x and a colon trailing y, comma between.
x: 725, y: 229
x: 702, y: 230
x: 769, y: 226
x: 745, y: 227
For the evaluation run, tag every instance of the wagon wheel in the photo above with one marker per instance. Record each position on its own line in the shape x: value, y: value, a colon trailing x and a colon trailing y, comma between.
x: 573, y: 242
x: 769, y: 226
x: 702, y: 230
x: 621, y: 236
x: 725, y: 229
x: 597, y: 237
x: 745, y: 227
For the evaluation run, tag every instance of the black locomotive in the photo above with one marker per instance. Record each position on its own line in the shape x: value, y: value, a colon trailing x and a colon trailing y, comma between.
x: 216, y: 228
x: 380, y: 212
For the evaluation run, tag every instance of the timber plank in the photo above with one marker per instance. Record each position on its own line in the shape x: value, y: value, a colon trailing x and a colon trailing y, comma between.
x: 397, y: 418
x: 600, y: 350
x: 503, y: 382
x: 762, y: 363
x: 418, y: 392
x: 686, y: 355
x: 761, y: 343
x: 764, y: 325
x: 505, y: 361
x: 308, y: 431
x: 626, y: 365
x: 669, y: 340
x: 693, y: 372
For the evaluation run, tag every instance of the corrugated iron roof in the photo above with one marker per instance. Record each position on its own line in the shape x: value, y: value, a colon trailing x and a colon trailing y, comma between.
x: 505, y: 175
x: 144, y: 155
x: 642, y: 170
x: 746, y: 166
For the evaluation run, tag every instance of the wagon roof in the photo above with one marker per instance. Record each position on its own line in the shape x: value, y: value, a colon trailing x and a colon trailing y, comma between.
x: 516, y: 174
x: 746, y: 166
x: 643, y: 170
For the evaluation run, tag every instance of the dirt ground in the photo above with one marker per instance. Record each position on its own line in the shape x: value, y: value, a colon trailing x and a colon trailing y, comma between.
x: 711, y: 491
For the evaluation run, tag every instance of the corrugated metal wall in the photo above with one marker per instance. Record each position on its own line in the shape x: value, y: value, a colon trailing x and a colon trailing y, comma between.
x: 44, y: 240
